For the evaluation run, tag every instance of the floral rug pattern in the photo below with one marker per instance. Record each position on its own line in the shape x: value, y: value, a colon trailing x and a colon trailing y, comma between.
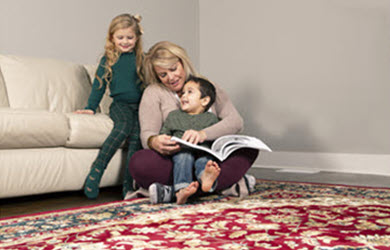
x: 278, y: 215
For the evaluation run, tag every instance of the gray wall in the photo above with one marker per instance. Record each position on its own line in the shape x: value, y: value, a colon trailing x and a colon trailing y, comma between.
x: 75, y: 30
x: 307, y: 75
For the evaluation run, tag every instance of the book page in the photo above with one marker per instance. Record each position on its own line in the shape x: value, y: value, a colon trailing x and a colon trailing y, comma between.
x: 224, y: 141
x: 233, y: 147
x: 191, y: 145
x: 225, y: 145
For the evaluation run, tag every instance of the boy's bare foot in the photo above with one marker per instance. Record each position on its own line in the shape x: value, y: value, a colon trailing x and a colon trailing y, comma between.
x: 210, y: 174
x: 183, y: 194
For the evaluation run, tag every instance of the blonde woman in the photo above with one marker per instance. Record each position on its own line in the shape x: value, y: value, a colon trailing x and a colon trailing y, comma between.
x: 119, y: 71
x: 167, y: 67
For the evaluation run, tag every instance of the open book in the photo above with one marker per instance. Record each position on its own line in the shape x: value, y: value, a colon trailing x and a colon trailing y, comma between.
x: 225, y: 145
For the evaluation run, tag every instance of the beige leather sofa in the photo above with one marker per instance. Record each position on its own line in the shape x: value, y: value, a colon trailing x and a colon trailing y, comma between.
x: 44, y: 146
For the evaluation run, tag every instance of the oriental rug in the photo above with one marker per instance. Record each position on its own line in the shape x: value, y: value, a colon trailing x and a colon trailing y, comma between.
x: 278, y: 215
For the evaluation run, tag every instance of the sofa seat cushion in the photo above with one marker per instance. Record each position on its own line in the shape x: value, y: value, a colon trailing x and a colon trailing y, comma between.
x: 88, y: 131
x: 24, y: 128
x: 43, y: 170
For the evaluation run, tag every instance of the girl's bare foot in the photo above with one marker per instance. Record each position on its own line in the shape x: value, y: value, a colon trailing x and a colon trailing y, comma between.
x: 210, y: 174
x: 183, y: 194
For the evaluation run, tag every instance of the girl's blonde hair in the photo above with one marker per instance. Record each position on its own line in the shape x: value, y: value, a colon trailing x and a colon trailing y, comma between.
x: 164, y: 54
x: 112, y: 54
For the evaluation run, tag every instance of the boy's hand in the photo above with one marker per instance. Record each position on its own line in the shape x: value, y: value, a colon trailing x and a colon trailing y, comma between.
x: 194, y: 137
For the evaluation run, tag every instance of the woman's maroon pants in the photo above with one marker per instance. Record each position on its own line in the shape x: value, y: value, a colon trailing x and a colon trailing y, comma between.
x: 147, y: 166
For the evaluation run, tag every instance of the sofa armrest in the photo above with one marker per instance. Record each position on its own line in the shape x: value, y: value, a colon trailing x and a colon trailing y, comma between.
x: 88, y: 131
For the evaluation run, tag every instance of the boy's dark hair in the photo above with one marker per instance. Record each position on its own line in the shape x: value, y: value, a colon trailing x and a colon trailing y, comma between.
x: 206, y: 89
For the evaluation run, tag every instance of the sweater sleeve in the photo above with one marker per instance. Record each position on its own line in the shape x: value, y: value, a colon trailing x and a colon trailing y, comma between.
x: 166, y: 127
x: 150, y: 115
x: 97, y: 92
x: 230, y: 122
x: 213, y: 119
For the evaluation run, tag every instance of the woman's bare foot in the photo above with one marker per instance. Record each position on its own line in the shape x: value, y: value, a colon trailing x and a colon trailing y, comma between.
x: 183, y: 194
x: 210, y: 174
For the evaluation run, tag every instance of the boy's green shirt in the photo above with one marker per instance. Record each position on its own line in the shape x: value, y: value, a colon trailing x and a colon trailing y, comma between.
x: 179, y: 121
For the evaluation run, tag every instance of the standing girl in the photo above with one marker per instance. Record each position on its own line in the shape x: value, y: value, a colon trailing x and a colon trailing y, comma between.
x: 119, y: 70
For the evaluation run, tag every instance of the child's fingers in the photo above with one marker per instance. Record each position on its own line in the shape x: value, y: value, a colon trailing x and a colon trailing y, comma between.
x: 187, y: 135
x: 84, y: 111
x: 192, y: 136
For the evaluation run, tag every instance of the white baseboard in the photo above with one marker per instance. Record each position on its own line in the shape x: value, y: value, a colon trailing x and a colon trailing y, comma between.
x: 376, y: 164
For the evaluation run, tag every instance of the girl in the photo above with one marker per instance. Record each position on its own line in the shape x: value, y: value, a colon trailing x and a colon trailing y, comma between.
x: 119, y: 70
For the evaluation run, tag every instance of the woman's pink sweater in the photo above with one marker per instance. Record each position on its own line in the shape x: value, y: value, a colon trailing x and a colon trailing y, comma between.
x: 157, y: 101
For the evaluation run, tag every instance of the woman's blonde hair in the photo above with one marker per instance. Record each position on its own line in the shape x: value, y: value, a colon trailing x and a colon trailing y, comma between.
x: 164, y: 54
x: 112, y: 54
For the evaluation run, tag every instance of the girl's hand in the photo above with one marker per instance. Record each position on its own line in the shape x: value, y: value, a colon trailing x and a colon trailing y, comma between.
x: 194, y: 137
x: 164, y: 145
x: 84, y: 111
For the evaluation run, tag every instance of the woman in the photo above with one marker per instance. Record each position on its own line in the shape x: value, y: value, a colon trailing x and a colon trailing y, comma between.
x: 167, y: 67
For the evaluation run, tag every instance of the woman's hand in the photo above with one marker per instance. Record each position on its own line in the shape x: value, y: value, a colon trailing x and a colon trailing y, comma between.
x: 194, y: 137
x: 84, y: 111
x: 164, y: 145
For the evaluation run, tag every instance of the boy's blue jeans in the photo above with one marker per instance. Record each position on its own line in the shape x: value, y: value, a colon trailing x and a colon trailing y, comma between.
x: 183, y: 169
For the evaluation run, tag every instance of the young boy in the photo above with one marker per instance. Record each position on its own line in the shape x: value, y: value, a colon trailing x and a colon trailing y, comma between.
x: 197, y: 97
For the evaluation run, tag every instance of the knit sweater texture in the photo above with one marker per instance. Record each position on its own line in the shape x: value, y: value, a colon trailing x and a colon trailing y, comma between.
x: 124, y: 86
x: 179, y: 121
x: 158, y: 101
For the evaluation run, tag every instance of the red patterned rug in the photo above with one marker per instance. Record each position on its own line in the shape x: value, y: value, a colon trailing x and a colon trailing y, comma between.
x: 279, y: 215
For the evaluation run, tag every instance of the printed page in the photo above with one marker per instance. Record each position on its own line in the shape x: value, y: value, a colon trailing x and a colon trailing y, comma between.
x: 224, y: 141
x: 191, y: 145
x: 225, y: 145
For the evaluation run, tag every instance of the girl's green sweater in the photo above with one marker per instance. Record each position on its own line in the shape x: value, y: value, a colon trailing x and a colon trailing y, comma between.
x: 124, y: 86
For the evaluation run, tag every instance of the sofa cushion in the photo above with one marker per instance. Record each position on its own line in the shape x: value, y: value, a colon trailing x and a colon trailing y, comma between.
x: 42, y: 83
x: 88, y: 131
x: 3, y: 92
x: 43, y: 170
x: 21, y: 128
